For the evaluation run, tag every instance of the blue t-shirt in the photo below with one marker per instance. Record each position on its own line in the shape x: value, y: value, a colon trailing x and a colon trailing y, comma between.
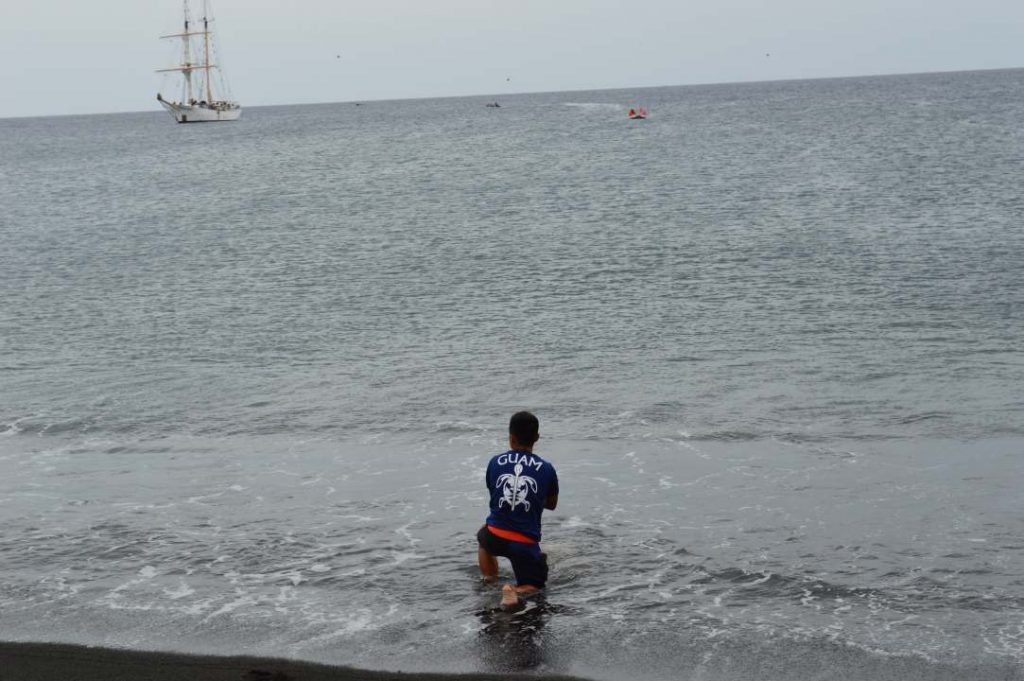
x: 519, y: 483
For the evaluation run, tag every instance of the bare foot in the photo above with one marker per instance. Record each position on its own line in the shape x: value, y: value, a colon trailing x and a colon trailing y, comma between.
x: 509, y: 597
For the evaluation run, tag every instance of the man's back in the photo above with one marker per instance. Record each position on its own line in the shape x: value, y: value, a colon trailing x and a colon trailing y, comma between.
x: 521, y: 484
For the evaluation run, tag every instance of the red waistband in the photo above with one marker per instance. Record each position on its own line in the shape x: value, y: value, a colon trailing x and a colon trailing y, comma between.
x: 511, y: 535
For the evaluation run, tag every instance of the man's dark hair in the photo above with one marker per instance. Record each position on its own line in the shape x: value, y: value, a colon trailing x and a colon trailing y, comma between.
x: 525, y: 427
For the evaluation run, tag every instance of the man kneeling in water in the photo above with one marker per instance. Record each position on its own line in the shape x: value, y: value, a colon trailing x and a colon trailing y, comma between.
x: 521, y: 485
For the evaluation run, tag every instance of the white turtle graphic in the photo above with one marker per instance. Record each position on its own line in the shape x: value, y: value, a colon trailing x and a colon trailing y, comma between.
x: 514, y: 488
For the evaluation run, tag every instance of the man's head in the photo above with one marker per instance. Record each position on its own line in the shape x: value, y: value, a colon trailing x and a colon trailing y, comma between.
x: 524, y: 428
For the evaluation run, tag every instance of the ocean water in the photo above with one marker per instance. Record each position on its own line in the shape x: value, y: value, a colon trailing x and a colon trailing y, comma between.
x: 251, y: 374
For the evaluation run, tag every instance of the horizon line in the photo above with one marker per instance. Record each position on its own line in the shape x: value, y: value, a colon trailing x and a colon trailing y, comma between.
x: 543, y: 92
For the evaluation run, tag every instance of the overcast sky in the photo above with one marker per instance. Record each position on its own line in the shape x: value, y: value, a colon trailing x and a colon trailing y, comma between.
x: 74, y: 56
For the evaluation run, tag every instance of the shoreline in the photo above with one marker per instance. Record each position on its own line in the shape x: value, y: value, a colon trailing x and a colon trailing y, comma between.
x: 67, y: 662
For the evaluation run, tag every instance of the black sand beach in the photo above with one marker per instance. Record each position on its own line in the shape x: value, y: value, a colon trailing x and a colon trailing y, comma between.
x: 57, y: 662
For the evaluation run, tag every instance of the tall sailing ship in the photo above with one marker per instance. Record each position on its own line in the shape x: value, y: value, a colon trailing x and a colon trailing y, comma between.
x: 202, y: 100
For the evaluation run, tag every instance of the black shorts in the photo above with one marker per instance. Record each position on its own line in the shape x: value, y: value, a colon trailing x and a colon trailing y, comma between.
x: 528, y: 562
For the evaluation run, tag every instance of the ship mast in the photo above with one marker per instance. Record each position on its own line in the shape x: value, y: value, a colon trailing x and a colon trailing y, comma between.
x: 187, y: 58
x: 206, y: 49
x: 187, y: 65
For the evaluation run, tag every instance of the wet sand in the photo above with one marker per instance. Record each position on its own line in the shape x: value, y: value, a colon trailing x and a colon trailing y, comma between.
x: 58, y: 662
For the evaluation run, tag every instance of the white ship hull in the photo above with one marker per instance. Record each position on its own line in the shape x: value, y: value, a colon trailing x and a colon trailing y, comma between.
x: 184, y: 113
